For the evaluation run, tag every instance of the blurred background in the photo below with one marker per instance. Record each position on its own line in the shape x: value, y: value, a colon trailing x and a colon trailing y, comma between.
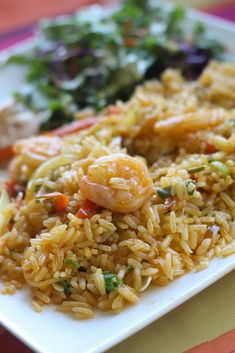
x: 19, y: 13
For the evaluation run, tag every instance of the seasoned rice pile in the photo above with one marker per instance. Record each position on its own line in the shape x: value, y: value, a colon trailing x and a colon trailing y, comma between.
x: 140, y: 198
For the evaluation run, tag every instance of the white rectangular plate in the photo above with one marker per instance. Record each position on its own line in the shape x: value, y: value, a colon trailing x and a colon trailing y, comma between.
x: 53, y: 332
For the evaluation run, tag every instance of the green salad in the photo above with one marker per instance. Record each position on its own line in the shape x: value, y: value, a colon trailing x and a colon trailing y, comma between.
x: 94, y: 57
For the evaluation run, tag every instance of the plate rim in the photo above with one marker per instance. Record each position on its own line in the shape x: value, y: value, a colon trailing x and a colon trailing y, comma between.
x: 29, y: 341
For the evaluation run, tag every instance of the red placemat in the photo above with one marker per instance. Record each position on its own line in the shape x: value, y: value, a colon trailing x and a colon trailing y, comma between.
x: 222, y: 344
x: 225, y: 10
x: 10, y: 344
x: 18, y: 17
x: 19, y: 13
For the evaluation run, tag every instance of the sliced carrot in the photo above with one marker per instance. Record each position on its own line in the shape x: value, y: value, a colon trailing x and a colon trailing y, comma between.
x: 74, y: 127
x: 6, y: 153
x: 60, y: 200
x: 87, y: 210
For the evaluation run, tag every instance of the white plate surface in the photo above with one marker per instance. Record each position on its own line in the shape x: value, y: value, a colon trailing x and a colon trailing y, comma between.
x: 53, y: 332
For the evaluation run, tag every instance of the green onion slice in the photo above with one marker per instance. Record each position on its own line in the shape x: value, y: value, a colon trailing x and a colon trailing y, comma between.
x: 66, y: 287
x: 217, y: 165
x: 130, y: 268
x: 196, y: 169
x: 112, y: 282
x: 164, y: 193
x: 72, y: 263
x: 190, y: 186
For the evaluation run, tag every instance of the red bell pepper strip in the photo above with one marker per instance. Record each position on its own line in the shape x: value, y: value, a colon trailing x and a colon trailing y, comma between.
x: 74, y: 127
x: 87, y: 210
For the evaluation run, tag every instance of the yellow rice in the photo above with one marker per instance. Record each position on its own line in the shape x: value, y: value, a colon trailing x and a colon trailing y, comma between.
x: 163, y: 239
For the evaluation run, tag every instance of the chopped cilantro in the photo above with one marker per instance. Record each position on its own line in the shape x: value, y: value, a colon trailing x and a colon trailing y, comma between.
x: 112, y: 282
x: 66, y: 287
x: 164, y: 193
x: 221, y: 167
x: 196, y: 169
x: 190, y: 186
x: 130, y: 268
x: 82, y: 269
x: 37, y: 187
x: 72, y: 263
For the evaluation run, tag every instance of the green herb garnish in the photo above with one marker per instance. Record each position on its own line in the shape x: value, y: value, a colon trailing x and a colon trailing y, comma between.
x: 82, y: 269
x: 72, y: 263
x: 199, y: 29
x: 164, y: 193
x: 37, y: 187
x: 66, y: 287
x: 112, y: 282
x: 130, y: 268
x: 93, y: 58
x: 217, y: 165
x: 190, y: 186
x: 196, y: 170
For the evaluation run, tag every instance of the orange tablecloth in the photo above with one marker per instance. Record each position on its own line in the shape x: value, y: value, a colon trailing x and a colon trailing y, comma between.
x: 18, y: 13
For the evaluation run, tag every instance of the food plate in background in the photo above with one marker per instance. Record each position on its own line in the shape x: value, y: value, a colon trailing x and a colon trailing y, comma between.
x: 54, y: 332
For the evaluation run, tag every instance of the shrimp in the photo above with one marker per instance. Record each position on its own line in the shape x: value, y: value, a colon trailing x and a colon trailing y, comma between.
x: 189, y: 122
x: 117, y: 182
x: 30, y: 153
x: 37, y: 150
